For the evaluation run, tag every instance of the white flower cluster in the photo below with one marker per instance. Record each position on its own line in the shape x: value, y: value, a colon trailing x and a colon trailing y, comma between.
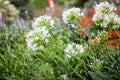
x: 73, y: 49
x: 43, y: 21
x: 36, y: 38
x: 71, y: 14
x: 105, y: 17
x: 97, y: 64
x: 104, y: 7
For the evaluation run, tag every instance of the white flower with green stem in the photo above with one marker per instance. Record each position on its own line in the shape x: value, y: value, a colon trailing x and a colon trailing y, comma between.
x: 71, y: 14
x: 37, y: 38
x: 73, y: 49
x: 105, y: 17
x: 43, y: 21
x: 104, y: 8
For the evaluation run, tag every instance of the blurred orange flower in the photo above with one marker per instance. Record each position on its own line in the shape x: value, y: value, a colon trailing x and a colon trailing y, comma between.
x: 112, y: 43
x: 92, y: 11
x: 84, y: 34
x: 85, y: 21
x: 113, y: 33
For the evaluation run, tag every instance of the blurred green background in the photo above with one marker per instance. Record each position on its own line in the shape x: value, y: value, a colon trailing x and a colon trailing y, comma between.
x: 38, y: 7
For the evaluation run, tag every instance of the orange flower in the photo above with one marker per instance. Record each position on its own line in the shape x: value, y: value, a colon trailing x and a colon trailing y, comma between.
x: 113, y: 34
x: 109, y: 43
x: 91, y: 41
x: 84, y: 34
x: 85, y: 21
x: 84, y: 25
x: 110, y: 33
x: 92, y: 11
x: 91, y: 49
x: 112, y: 43
x: 116, y: 42
x: 97, y: 38
x: 118, y: 10
x: 116, y: 34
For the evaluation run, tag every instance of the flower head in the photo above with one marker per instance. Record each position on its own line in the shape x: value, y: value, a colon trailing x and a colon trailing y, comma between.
x: 114, y: 21
x: 43, y: 21
x: 105, y: 17
x: 97, y: 64
x: 37, y: 38
x: 71, y: 14
x: 104, y: 7
x: 110, y: 20
x: 73, y: 49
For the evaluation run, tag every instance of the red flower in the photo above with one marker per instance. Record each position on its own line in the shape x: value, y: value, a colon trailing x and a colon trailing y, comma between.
x: 113, y: 34
x: 84, y: 34
x: 116, y: 34
x: 112, y: 43
x: 110, y: 33
x: 85, y: 21
x: 92, y: 11
x: 91, y: 41
x: 109, y: 43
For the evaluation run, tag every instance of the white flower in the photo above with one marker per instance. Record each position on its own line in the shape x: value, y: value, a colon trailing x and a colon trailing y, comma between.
x: 69, y: 48
x: 73, y: 49
x: 110, y: 20
x: 6, y: 2
x: 71, y: 14
x: 46, y: 40
x: 41, y: 47
x: 104, y: 7
x: 105, y: 17
x: 97, y: 64
x: 37, y: 38
x: 105, y: 21
x: 97, y: 17
x: 43, y: 21
x: 114, y: 21
x: 79, y: 48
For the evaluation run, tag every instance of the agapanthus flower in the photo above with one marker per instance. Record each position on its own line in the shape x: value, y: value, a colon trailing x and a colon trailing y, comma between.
x: 71, y: 14
x: 105, y: 17
x: 43, y: 21
x: 97, y: 17
x: 110, y: 20
x: 37, y: 38
x: 114, y: 20
x: 104, y: 7
x: 73, y: 49
x: 97, y: 64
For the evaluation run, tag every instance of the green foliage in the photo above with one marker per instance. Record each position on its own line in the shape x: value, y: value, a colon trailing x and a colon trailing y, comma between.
x: 39, y: 4
x: 80, y: 3
x: 43, y: 4
x: 108, y: 66
x: 70, y: 2
x: 18, y: 3
x: 25, y: 7
x: 16, y: 60
x: 9, y: 37
x: 77, y: 3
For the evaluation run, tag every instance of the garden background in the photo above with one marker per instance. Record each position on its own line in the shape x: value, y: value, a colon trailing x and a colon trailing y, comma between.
x: 59, y: 40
